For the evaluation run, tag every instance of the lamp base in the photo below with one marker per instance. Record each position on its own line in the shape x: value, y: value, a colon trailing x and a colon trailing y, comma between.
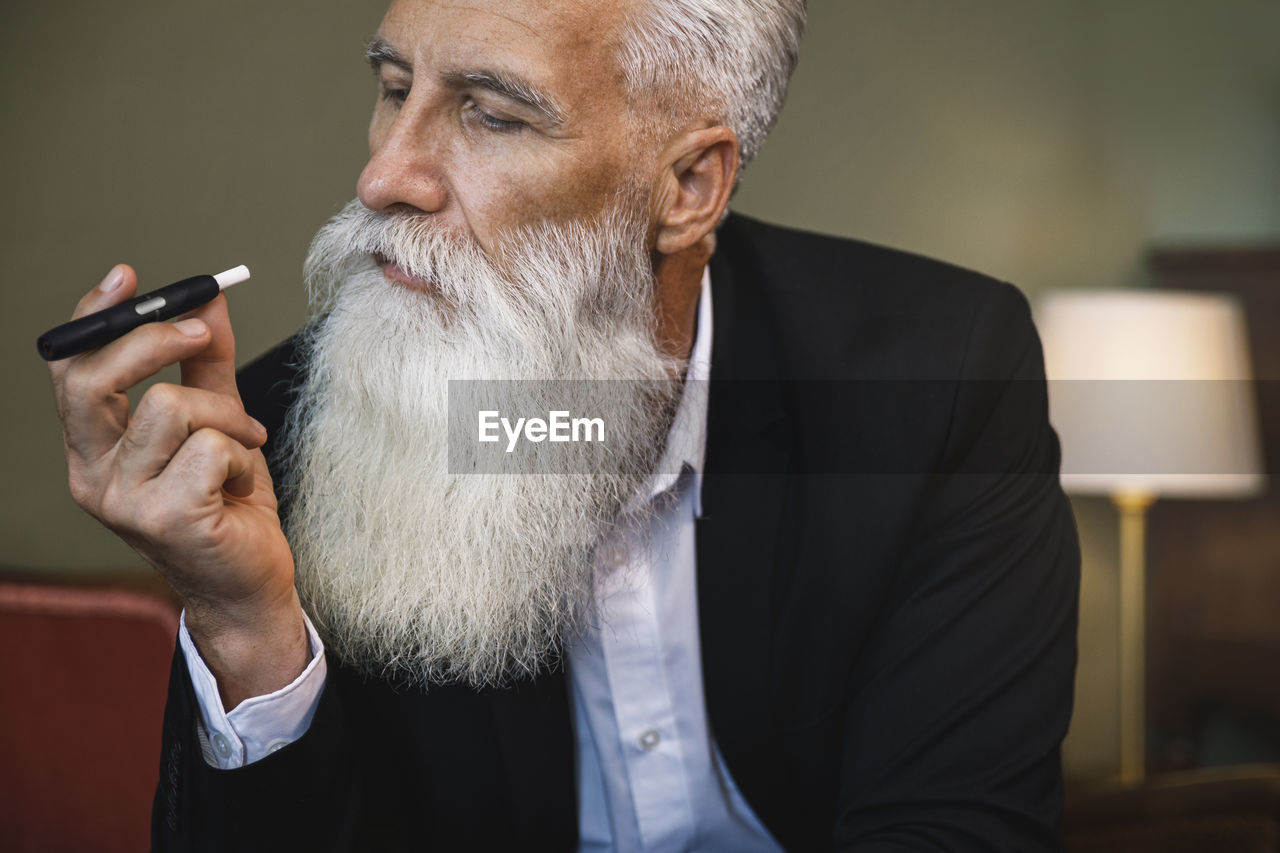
x: 1133, y: 507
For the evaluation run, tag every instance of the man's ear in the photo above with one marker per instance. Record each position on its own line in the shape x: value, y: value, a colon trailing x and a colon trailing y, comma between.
x: 699, y: 169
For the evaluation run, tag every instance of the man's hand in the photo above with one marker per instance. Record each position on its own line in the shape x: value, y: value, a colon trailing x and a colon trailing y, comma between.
x: 184, y: 482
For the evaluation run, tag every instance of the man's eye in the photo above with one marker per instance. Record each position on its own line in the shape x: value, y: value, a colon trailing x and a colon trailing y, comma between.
x: 499, y: 124
x: 394, y: 94
x: 492, y: 122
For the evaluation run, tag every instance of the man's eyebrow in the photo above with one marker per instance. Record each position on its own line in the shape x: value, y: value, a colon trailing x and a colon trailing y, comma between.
x: 380, y: 52
x: 512, y: 87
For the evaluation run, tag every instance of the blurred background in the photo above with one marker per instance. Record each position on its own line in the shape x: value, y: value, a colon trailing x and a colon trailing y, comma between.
x: 1057, y: 144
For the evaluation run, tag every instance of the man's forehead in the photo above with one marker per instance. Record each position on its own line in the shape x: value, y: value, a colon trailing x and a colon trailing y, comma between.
x: 567, y: 50
x: 551, y: 29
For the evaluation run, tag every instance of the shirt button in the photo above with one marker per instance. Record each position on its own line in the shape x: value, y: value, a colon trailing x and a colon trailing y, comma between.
x: 276, y: 746
x: 649, y: 740
x: 221, y: 744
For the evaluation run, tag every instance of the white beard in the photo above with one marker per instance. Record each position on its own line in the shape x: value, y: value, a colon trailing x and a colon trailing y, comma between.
x: 409, y: 570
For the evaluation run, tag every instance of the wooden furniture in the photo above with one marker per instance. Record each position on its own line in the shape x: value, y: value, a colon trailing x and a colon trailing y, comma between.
x: 1213, y: 677
x: 1203, y: 811
x: 1213, y: 630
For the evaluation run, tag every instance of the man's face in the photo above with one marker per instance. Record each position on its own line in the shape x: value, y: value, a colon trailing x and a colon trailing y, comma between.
x: 493, y: 114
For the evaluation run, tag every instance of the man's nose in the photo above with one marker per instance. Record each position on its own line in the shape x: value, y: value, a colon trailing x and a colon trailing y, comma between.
x: 404, y: 169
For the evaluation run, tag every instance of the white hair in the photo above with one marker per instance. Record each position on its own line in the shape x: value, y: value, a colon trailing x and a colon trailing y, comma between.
x: 732, y: 57
x: 415, y: 561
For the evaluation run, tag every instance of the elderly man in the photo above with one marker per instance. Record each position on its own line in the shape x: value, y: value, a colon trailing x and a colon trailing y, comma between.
x: 832, y: 606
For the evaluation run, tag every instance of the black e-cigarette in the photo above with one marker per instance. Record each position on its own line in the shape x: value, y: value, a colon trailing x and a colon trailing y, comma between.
x: 105, y: 326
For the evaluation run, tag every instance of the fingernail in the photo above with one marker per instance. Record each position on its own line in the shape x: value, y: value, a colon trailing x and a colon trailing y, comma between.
x: 194, y: 328
x: 114, y: 279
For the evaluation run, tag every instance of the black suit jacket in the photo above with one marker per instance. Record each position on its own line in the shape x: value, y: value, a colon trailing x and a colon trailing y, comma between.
x: 887, y: 580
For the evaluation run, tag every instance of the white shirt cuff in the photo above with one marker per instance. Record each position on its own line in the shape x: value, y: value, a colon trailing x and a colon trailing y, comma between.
x: 260, y: 725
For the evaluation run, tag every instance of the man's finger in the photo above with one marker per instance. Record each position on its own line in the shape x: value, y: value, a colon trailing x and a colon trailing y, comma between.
x: 167, y: 416
x: 213, y: 368
x: 120, y: 283
x: 91, y: 390
x: 208, y: 462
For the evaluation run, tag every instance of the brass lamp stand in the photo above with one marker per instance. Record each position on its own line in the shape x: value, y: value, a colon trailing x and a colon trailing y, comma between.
x: 1133, y: 632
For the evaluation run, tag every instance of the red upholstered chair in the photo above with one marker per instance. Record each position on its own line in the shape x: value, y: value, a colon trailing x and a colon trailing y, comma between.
x: 83, y: 676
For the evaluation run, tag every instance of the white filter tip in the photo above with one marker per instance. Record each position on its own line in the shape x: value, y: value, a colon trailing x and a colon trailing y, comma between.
x: 232, y: 276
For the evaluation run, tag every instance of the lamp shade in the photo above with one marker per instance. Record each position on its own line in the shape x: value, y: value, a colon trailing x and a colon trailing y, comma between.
x: 1151, y: 392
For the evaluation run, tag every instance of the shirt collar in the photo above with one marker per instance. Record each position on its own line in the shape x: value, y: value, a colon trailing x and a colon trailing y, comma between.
x: 687, y: 440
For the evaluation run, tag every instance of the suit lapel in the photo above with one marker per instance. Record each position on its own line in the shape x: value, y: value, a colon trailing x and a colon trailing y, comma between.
x: 738, y: 533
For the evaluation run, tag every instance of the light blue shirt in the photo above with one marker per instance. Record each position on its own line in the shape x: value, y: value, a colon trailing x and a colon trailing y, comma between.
x: 649, y: 774
x: 650, y: 777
